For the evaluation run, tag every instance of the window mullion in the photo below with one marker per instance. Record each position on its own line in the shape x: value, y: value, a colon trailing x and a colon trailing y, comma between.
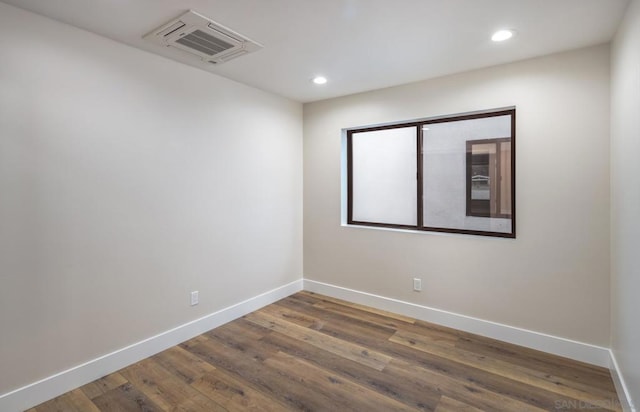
x: 419, y: 168
x: 350, y: 177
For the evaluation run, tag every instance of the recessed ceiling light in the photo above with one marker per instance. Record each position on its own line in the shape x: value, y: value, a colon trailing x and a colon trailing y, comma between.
x: 502, y: 35
x: 319, y: 80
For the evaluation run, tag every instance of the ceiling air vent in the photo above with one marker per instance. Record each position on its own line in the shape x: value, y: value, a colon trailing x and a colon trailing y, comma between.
x: 198, y: 35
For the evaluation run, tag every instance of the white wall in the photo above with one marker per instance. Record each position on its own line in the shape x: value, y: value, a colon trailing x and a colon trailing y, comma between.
x: 126, y: 181
x: 554, y: 278
x: 625, y: 198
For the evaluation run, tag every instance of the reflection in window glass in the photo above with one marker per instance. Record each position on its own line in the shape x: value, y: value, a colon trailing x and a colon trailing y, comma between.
x: 480, y: 175
x: 489, y: 178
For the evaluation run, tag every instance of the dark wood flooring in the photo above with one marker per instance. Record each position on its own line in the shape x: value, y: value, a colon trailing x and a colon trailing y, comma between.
x: 310, y: 352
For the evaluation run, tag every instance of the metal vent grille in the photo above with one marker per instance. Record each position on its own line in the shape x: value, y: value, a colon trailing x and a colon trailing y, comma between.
x: 204, y: 43
x: 202, y: 37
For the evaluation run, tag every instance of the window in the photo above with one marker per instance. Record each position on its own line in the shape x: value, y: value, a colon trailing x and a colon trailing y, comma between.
x: 448, y: 174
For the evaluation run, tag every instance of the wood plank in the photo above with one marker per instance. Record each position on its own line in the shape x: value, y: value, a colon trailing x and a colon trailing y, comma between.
x: 466, y: 339
x: 416, y: 392
x: 495, y: 383
x: 183, y: 364
x: 246, y: 364
x: 103, y: 385
x: 518, y: 373
x: 125, y: 398
x: 476, y: 341
x: 235, y: 394
x: 363, y: 324
x: 293, y: 316
x: 241, y: 333
x: 74, y: 401
x: 343, y: 394
x: 418, y: 396
x: 144, y: 376
x: 310, y: 352
x: 358, y: 353
x: 451, y: 405
x: 333, y: 306
x: 166, y: 390
x: 193, y: 341
x: 461, y: 390
x: 533, y: 359
x: 357, y: 306
x: 231, y: 393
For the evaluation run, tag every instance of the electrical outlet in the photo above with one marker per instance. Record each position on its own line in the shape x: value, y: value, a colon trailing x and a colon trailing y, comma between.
x: 194, y: 298
x: 417, y: 284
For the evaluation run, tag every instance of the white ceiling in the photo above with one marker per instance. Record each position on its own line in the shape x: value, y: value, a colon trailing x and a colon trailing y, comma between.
x: 358, y: 45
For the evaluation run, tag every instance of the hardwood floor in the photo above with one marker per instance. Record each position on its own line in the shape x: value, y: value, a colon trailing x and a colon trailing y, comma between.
x: 314, y: 353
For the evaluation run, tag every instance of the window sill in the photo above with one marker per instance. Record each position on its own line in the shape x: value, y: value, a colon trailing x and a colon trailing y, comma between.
x: 424, y: 232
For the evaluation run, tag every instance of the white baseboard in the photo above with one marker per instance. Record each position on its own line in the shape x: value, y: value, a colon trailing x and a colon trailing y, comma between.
x: 580, y: 351
x: 52, y: 386
x: 621, y: 387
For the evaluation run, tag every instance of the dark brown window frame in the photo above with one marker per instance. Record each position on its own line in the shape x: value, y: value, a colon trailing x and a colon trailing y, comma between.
x: 419, y: 181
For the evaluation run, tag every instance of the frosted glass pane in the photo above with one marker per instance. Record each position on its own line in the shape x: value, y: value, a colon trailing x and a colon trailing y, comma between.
x: 384, y: 176
x: 445, y: 191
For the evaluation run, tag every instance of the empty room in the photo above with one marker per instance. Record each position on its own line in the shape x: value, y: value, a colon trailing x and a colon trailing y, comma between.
x: 336, y: 205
